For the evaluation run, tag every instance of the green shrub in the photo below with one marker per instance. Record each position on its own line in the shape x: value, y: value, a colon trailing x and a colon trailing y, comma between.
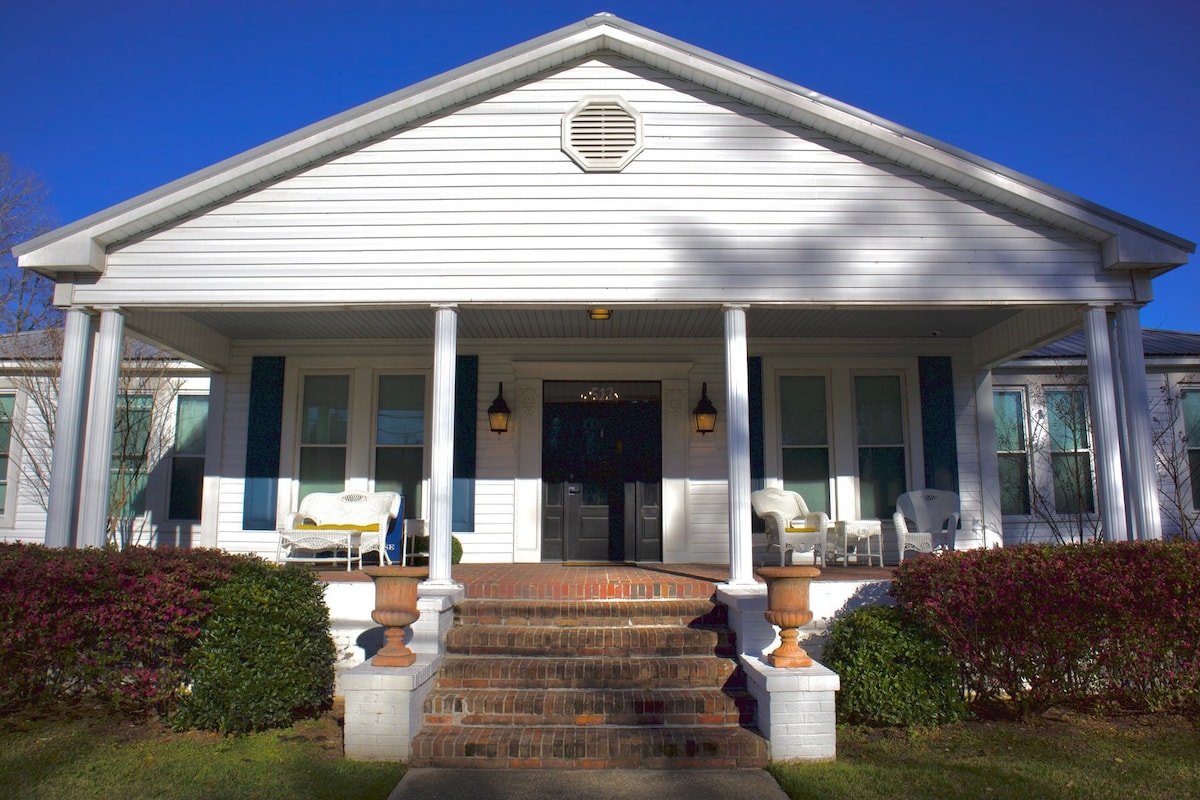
x: 893, y: 670
x: 264, y: 656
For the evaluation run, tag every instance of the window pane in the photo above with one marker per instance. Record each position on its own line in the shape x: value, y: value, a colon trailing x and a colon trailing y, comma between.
x: 1067, y: 411
x: 880, y: 480
x: 187, y: 488
x: 1072, y: 483
x: 1194, y: 468
x: 806, y: 471
x: 322, y: 469
x: 1014, y: 483
x: 326, y: 409
x: 1191, y: 416
x: 131, y: 425
x: 191, y: 424
x: 803, y: 411
x: 399, y: 469
x: 401, y: 415
x: 1010, y: 421
x: 7, y: 403
x: 878, y: 409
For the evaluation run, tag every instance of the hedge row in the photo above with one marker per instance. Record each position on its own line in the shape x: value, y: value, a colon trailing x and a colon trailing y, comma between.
x: 142, y: 629
x: 1106, y: 625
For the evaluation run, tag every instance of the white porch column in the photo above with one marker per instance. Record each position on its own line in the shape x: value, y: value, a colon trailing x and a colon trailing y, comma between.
x: 98, y: 437
x: 61, y: 529
x: 1105, y: 427
x: 737, y: 398
x: 1141, y: 475
x: 441, y: 460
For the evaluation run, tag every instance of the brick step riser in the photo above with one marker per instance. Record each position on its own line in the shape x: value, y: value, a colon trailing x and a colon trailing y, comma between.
x: 593, y: 591
x: 673, y: 707
x: 589, y: 748
x: 584, y: 642
x: 687, y: 614
x: 505, y: 672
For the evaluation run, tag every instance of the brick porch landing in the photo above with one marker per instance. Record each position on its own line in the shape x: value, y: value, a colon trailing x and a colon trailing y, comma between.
x: 612, y: 581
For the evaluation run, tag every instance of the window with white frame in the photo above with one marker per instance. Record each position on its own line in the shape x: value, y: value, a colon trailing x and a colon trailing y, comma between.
x: 880, y: 441
x: 132, y: 427
x: 804, y: 434
x: 324, y: 428
x: 8, y: 404
x: 1012, y: 450
x: 399, y: 457
x: 1189, y: 399
x: 187, y: 458
x: 1070, y: 450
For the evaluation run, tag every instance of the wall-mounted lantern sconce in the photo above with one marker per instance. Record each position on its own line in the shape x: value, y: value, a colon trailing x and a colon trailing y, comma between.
x: 705, y: 414
x: 499, y: 412
x: 599, y: 314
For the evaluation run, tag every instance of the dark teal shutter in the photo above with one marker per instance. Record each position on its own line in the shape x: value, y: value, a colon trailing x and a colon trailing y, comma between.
x: 937, y: 423
x: 466, y: 403
x: 263, y: 424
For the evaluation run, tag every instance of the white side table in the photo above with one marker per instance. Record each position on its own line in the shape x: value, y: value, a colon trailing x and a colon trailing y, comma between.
x: 864, y: 535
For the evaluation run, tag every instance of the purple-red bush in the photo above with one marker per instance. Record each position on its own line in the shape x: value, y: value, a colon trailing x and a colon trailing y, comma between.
x: 113, y: 625
x: 1114, y: 625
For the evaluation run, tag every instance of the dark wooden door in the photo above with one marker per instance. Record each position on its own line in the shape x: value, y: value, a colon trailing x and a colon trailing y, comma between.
x: 602, y: 477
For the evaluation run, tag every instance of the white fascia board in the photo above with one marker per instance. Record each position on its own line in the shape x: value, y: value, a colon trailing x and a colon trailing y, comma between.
x: 78, y: 252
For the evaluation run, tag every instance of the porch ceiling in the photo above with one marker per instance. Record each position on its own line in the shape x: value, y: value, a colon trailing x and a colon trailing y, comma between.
x: 639, y: 323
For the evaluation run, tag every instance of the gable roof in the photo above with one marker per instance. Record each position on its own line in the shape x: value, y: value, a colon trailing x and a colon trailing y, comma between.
x: 81, y: 246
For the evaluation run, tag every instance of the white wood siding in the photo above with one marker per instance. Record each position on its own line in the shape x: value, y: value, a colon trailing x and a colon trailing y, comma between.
x: 726, y: 203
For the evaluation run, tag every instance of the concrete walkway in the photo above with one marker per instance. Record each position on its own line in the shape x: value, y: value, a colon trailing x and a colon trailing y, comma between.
x: 598, y: 784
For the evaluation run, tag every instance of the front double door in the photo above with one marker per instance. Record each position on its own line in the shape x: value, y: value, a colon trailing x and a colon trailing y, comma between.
x: 602, y: 472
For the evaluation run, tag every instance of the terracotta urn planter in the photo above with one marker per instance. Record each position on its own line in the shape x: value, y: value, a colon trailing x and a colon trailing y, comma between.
x: 787, y: 607
x: 395, y: 609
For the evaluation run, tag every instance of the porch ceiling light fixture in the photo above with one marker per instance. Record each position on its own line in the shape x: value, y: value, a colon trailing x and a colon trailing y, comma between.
x: 599, y: 314
x: 705, y: 414
x: 499, y: 413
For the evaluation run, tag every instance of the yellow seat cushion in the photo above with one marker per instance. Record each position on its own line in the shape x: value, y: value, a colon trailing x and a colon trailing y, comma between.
x: 800, y: 530
x: 305, y: 526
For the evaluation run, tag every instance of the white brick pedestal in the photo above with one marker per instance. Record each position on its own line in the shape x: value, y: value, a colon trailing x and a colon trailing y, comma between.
x: 795, y: 707
x: 385, y: 705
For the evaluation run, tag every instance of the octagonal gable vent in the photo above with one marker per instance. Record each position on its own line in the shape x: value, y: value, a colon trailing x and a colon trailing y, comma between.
x: 602, y: 134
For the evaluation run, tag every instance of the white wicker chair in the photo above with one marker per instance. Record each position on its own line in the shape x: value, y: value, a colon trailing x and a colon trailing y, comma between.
x: 926, y: 520
x: 791, y: 527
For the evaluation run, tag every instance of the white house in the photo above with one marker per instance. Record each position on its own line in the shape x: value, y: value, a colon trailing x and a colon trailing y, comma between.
x: 602, y: 224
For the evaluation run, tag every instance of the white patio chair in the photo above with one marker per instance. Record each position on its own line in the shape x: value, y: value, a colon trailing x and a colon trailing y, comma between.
x: 791, y: 527
x: 926, y: 520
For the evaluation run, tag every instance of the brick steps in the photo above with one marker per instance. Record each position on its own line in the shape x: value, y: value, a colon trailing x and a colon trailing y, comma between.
x: 621, y: 707
x: 584, y: 673
x: 564, y: 682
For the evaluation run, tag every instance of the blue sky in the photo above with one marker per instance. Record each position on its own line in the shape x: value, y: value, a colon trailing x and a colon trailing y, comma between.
x: 106, y: 99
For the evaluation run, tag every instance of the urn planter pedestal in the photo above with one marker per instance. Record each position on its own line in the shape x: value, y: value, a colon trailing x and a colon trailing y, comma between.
x: 395, y: 609
x: 788, y: 608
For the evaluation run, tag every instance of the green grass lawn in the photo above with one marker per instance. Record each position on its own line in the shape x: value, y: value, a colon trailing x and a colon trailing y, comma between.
x: 1056, y: 756
x: 78, y: 753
